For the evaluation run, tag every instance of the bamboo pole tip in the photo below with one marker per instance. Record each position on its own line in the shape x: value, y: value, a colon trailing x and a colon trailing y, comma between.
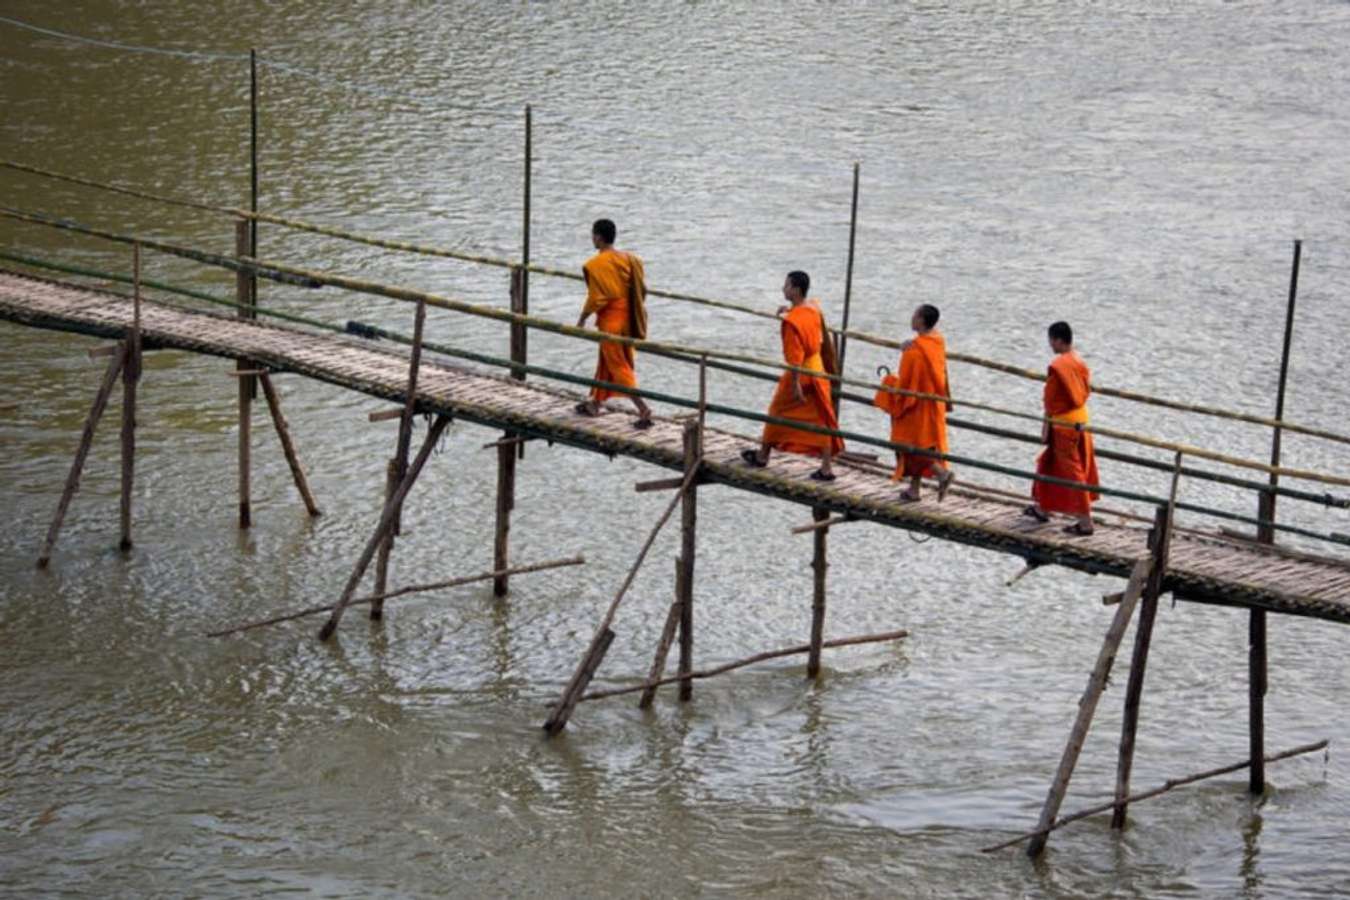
x: 327, y: 630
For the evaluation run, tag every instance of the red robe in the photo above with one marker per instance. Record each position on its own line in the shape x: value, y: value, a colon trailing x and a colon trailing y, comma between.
x: 1068, y: 453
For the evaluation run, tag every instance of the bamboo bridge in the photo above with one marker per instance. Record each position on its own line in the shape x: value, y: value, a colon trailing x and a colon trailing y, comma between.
x: 420, y: 376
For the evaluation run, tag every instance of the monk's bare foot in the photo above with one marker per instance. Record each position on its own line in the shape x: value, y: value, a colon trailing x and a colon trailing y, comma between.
x: 1079, y: 528
x: 1035, y: 512
x: 823, y: 475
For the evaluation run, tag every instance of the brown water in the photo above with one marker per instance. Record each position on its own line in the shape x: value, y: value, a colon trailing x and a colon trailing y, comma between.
x: 1139, y: 169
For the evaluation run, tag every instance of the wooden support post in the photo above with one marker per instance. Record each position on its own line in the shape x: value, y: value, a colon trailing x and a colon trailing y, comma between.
x: 243, y: 288
x: 81, y: 454
x: 688, y: 521
x: 595, y: 654
x: 287, y: 445
x: 131, y: 374
x: 1087, y: 705
x: 386, y: 523
x: 1257, y: 669
x: 667, y: 638
x: 818, y: 567
x: 1159, y: 542
x: 836, y: 388
x: 386, y: 545
x: 506, y: 501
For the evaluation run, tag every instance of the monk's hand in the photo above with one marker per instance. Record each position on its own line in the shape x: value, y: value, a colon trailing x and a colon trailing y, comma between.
x: 782, y: 310
x: 798, y: 396
x: 905, y: 345
x: 581, y: 320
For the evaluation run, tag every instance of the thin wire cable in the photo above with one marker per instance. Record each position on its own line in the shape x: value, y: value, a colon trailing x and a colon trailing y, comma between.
x: 207, y: 55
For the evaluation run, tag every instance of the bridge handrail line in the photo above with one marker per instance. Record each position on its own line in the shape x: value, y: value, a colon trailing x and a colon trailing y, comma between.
x: 862, y: 336
x: 311, y: 278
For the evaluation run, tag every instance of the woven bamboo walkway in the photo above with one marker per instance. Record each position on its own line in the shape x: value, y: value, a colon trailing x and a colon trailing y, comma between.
x: 1202, y: 569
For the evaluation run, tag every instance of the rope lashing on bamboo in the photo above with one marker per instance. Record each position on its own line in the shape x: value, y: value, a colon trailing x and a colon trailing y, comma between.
x: 310, y: 278
x: 864, y: 337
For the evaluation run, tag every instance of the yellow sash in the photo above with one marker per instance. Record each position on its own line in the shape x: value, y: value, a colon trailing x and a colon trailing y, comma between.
x: 814, y: 363
x: 1077, y: 416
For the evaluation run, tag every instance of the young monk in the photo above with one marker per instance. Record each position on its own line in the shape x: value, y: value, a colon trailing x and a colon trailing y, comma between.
x: 915, y: 421
x: 805, y: 398
x: 616, y: 294
x: 1068, y: 451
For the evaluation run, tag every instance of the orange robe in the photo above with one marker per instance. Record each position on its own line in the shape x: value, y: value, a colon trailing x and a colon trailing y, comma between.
x: 803, y: 334
x: 1068, y: 453
x: 914, y: 421
x: 609, y: 275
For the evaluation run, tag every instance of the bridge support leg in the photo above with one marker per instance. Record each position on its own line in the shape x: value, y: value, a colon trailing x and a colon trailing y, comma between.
x: 387, y: 517
x: 1256, y: 695
x: 287, y: 445
x: 819, y: 567
x: 693, y: 451
x: 1143, y: 635
x: 506, y: 501
x: 131, y: 374
x: 386, y: 545
x: 243, y: 288
x: 81, y: 454
x: 667, y: 638
x: 1087, y: 705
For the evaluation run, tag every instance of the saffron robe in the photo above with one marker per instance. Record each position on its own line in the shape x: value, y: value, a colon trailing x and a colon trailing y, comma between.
x: 614, y: 292
x: 1068, y: 453
x: 804, y: 336
x: 915, y: 421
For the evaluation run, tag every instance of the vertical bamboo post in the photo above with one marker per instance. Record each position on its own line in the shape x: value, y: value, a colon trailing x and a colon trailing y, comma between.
x: 667, y: 638
x: 243, y: 286
x: 507, y: 454
x: 131, y: 374
x: 838, y: 388
x: 105, y: 388
x: 523, y: 293
x: 818, y: 566
x: 688, y: 522
x: 1159, y: 542
x: 1087, y: 704
x: 253, y: 192
x: 1257, y: 670
x: 398, y: 466
x: 287, y: 444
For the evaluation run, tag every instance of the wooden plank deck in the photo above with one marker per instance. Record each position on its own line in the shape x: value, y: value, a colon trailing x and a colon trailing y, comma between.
x: 1203, y: 569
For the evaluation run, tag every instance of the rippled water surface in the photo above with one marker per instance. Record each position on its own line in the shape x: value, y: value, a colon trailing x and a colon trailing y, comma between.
x: 1139, y: 169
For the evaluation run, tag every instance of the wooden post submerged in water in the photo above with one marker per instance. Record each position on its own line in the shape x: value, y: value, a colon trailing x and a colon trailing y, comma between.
x: 243, y: 286
x: 131, y: 374
x: 693, y: 452
x: 819, y: 565
x: 508, y: 451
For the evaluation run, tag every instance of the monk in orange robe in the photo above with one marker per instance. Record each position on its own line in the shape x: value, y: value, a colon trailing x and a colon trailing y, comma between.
x: 804, y: 398
x: 916, y: 421
x: 614, y: 294
x: 1068, y: 450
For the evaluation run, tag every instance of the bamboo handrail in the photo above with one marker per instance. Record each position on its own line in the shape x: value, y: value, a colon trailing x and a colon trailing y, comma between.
x: 311, y: 278
x: 865, y: 337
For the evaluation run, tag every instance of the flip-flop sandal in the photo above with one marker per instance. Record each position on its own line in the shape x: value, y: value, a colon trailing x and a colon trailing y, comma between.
x: 907, y: 496
x: 1078, y: 529
x: 751, y: 457
x: 643, y: 424
x: 1031, y: 512
x: 944, y: 482
x: 818, y: 475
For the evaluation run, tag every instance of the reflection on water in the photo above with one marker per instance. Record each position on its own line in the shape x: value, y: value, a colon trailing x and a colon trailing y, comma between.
x: 1139, y: 171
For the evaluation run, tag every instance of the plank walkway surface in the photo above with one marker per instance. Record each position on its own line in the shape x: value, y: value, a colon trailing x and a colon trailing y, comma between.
x: 1200, y: 568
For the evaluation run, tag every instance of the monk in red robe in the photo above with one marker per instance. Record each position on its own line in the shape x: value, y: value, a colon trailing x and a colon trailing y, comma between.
x: 615, y: 294
x: 916, y: 421
x: 800, y: 397
x: 1068, y: 449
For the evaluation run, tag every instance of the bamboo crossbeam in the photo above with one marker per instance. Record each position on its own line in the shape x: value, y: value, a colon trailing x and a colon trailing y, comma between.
x: 749, y: 660
x: 401, y: 592
x: 865, y: 337
x: 823, y: 523
x: 1154, y: 792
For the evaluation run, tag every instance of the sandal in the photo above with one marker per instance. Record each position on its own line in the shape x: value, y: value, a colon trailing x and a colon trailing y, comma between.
x: 752, y: 457
x: 908, y: 496
x: 643, y: 424
x: 585, y: 408
x: 944, y: 482
x: 818, y: 475
x: 1031, y: 512
x: 1078, y: 529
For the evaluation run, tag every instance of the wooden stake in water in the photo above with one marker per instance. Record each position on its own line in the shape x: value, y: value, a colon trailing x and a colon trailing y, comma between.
x: 1257, y: 669
x: 131, y: 374
x: 243, y: 287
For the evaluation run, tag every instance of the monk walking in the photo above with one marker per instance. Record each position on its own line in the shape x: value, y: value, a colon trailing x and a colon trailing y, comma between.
x: 616, y: 294
x: 1068, y: 450
x: 916, y: 421
x: 804, y: 398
